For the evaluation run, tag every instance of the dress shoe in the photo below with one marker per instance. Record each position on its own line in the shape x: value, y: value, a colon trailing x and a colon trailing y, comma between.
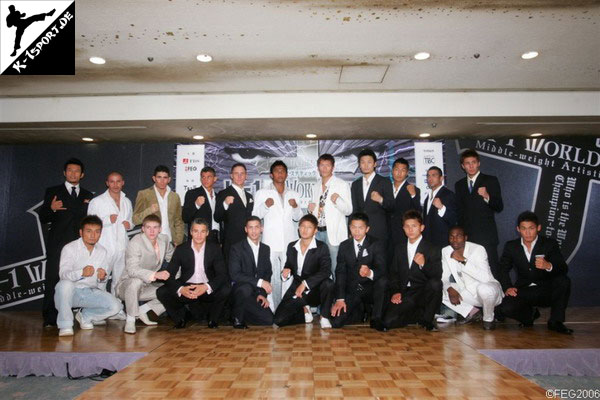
x: 130, y: 326
x: 489, y: 325
x: 534, y: 316
x: 213, y: 324
x: 180, y: 324
x: 308, y: 317
x: 559, y: 327
x: 144, y: 318
x: 325, y: 323
x: 65, y: 332
x: 237, y: 324
x: 378, y: 325
x: 49, y: 324
x: 429, y: 326
x: 471, y: 318
x: 82, y: 324
x: 99, y: 323
x: 120, y: 316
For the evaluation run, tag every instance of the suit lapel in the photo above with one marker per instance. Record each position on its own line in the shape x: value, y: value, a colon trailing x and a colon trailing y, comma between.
x: 250, y: 254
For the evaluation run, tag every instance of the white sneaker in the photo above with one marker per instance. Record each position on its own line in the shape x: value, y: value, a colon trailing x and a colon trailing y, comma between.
x: 121, y: 316
x: 308, y: 317
x: 445, y: 319
x: 65, y: 332
x: 325, y: 324
x: 144, y: 318
x: 130, y: 326
x: 83, y: 325
x: 99, y: 323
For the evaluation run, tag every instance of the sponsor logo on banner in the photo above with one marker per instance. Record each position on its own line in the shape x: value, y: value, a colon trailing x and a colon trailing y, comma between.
x: 190, y: 160
x: 427, y: 155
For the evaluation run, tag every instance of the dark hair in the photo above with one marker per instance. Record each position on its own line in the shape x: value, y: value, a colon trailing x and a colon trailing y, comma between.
x: 253, y: 218
x: 401, y: 160
x: 90, y: 220
x: 151, y: 218
x: 438, y: 169
x: 309, y: 218
x: 326, y: 157
x: 367, y: 152
x: 208, y: 169
x: 468, y: 153
x: 239, y: 164
x: 199, y: 221
x: 358, y: 216
x: 115, y: 173
x: 161, y: 168
x: 412, y: 214
x: 74, y: 161
x: 459, y: 228
x: 278, y: 163
x: 528, y: 216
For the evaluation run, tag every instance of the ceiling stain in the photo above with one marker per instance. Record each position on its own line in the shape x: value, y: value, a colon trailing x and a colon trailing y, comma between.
x: 457, y: 4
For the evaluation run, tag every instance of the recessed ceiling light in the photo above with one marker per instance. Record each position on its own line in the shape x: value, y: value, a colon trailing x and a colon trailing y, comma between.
x: 204, y: 58
x: 425, y: 134
x: 529, y: 55
x: 311, y: 135
x: 87, y: 139
x: 422, y: 56
x: 537, y: 134
x: 198, y: 137
x: 97, y: 60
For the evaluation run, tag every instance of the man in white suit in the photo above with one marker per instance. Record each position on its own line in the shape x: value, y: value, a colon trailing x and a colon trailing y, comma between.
x: 331, y: 204
x: 468, y: 281
x: 142, y: 276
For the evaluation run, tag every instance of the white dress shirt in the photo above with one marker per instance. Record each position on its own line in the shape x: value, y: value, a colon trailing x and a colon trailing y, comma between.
x: 69, y: 186
x: 211, y: 198
x: 396, y: 191
x: 75, y: 256
x: 528, y: 254
x: 300, y: 258
x: 114, y: 236
x: 281, y: 219
x: 255, y: 249
x: 163, y: 204
x: 366, y: 182
x: 199, y: 275
x: 411, y: 250
x: 364, y: 253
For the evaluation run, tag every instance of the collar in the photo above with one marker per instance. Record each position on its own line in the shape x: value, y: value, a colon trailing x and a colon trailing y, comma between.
x: 83, y: 247
x: 370, y: 178
x: 252, y: 245
x: 158, y: 193
x: 434, y: 192
x: 532, y: 243
x: 474, y: 179
x: 70, y: 185
x: 206, y: 190
x: 312, y: 245
x: 416, y: 243
x: 194, y: 249
x: 400, y: 186
x: 357, y: 243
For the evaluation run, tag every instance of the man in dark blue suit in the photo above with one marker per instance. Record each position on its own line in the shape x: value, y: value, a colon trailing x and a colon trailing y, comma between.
x: 439, y: 209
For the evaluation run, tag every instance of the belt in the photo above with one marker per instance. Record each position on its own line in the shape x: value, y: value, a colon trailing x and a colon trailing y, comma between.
x: 322, y: 228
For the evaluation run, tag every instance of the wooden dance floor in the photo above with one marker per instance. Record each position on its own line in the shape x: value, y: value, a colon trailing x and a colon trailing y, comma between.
x: 305, y: 361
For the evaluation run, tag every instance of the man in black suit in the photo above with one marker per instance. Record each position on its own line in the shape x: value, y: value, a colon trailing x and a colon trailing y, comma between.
x: 200, y: 203
x: 234, y: 206
x: 415, y: 279
x: 64, y: 207
x: 372, y: 194
x: 308, y: 265
x: 203, y: 278
x: 406, y: 197
x: 359, y: 275
x: 439, y: 209
x: 250, y: 271
x: 541, y: 276
x: 479, y: 197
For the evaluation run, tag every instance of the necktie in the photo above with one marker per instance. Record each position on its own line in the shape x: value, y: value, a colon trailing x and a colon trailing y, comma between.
x: 360, y: 247
x: 73, y: 192
x: 470, y: 186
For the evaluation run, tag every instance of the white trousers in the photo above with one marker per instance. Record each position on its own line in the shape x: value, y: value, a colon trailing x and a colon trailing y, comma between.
x: 488, y: 296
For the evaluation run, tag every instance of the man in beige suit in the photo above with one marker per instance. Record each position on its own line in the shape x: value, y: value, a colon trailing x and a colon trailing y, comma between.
x: 159, y: 199
x: 142, y: 275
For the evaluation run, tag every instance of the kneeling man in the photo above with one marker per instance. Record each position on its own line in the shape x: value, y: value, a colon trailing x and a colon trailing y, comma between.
x: 83, y: 265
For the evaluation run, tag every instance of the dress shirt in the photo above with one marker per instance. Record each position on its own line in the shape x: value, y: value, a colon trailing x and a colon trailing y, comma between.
x: 199, y: 275
x: 356, y: 250
x: 396, y: 191
x: 366, y: 182
x: 163, y: 204
x: 411, y: 250
x: 69, y: 186
x: 211, y: 198
x: 431, y: 196
x: 255, y: 248
x: 301, y: 257
x: 75, y: 256
x: 114, y: 236
x: 473, y: 179
x: 528, y: 254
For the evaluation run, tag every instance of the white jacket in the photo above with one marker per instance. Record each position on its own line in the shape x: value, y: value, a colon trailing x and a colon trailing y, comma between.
x: 114, y: 236
x: 335, y: 214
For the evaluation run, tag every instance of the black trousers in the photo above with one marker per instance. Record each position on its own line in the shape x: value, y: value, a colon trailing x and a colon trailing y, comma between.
x: 246, y: 308
x: 553, y: 293
x: 364, y: 294
x: 291, y: 311
x: 175, y: 305
x: 419, y: 304
x: 49, y: 311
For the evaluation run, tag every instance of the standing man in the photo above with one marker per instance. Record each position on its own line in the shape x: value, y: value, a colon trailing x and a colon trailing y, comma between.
x: 83, y: 266
x: 439, y: 209
x: 406, y: 197
x: 234, y: 206
x: 468, y: 281
x: 201, y: 203
x: 115, y: 211
x: 63, y: 208
x: 331, y: 203
x: 278, y: 207
x: 159, y: 199
x: 541, y: 276
x: 479, y: 198
x: 372, y: 194
x: 197, y: 274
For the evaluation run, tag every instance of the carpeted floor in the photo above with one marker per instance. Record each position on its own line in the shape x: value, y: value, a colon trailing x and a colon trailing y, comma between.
x: 43, y: 388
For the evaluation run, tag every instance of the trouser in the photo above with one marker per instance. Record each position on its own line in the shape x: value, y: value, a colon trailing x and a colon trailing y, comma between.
x: 365, y: 293
x: 291, y: 309
x: 333, y: 251
x: 118, y: 265
x: 246, y: 308
x: 49, y: 310
x: 419, y: 304
x: 552, y: 293
x: 175, y: 304
x: 277, y: 264
x: 134, y: 290
x: 95, y: 304
x: 488, y: 295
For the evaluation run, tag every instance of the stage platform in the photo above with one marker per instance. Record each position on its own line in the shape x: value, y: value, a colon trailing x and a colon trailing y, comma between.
x: 307, y: 362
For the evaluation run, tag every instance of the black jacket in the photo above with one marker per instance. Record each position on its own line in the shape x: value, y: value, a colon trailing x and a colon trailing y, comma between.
x: 400, y: 272
x: 243, y: 269
x: 377, y: 213
x: 402, y: 203
x: 316, y: 267
x: 348, y: 265
x: 190, y: 212
x: 234, y: 218
x: 436, y: 227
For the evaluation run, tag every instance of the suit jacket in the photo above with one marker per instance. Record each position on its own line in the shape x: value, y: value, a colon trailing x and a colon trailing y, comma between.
x: 335, y: 214
x: 143, y: 203
x: 316, y: 267
x: 475, y: 271
x: 190, y: 212
x: 243, y: 269
x: 234, y: 218
x: 514, y: 256
x: 64, y: 224
x: 184, y: 259
x: 402, y: 203
x: 474, y: 214
x: 348, y: 265
x: 436, y: 227
x: 400, y: 272
x: 378, y: 218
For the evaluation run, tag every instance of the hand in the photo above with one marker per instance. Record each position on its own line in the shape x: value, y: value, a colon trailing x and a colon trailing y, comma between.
x: 541, y: 263
x: 364, y: 271
x: 286, y: 273
x: 229, y: 200
x: 161, y: 275
x: 154, y: 208
x: 419, y: 259
x: 200, y: 289
x: 376, y: 197
x: 293, y: 203
x: 299, y: 290
x: 511, y: 291
x: 127, y: 225
x: 200, y: 200
x: 262, y: 300
x: 269, y: 202
x: 411, y: 190
x: 482, y: 191
x: 455, y: 297
x: 458, y: 255
x: 113, y: 218
x: 188, y: 292
x: 311, y: 207
x: 437, y: 203
x: 337, y: 308
x: 334, y: 198
x: 88, y: 270
x: 56, y: 204
x: 396, y: 298
x: 101, y: 274
x: 267, y: 286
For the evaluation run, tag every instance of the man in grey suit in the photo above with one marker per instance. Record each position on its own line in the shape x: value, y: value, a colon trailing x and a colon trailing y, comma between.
x: 141, y: 277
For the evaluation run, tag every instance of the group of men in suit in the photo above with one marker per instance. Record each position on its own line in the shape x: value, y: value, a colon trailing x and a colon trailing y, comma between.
x: 397, y: 259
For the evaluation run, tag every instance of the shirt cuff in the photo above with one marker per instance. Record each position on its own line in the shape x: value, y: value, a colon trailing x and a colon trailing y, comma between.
x: 442, y: 211
x: 306, y: 285
x: 179, y: 291
x: 208, y: 289
x: 197, y: 206
x: 371, y: 275
x: 340, y: 300
x: 486, y: 200
x: 550, y: 270
x: 225, y: 206
x: 259, y: 283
